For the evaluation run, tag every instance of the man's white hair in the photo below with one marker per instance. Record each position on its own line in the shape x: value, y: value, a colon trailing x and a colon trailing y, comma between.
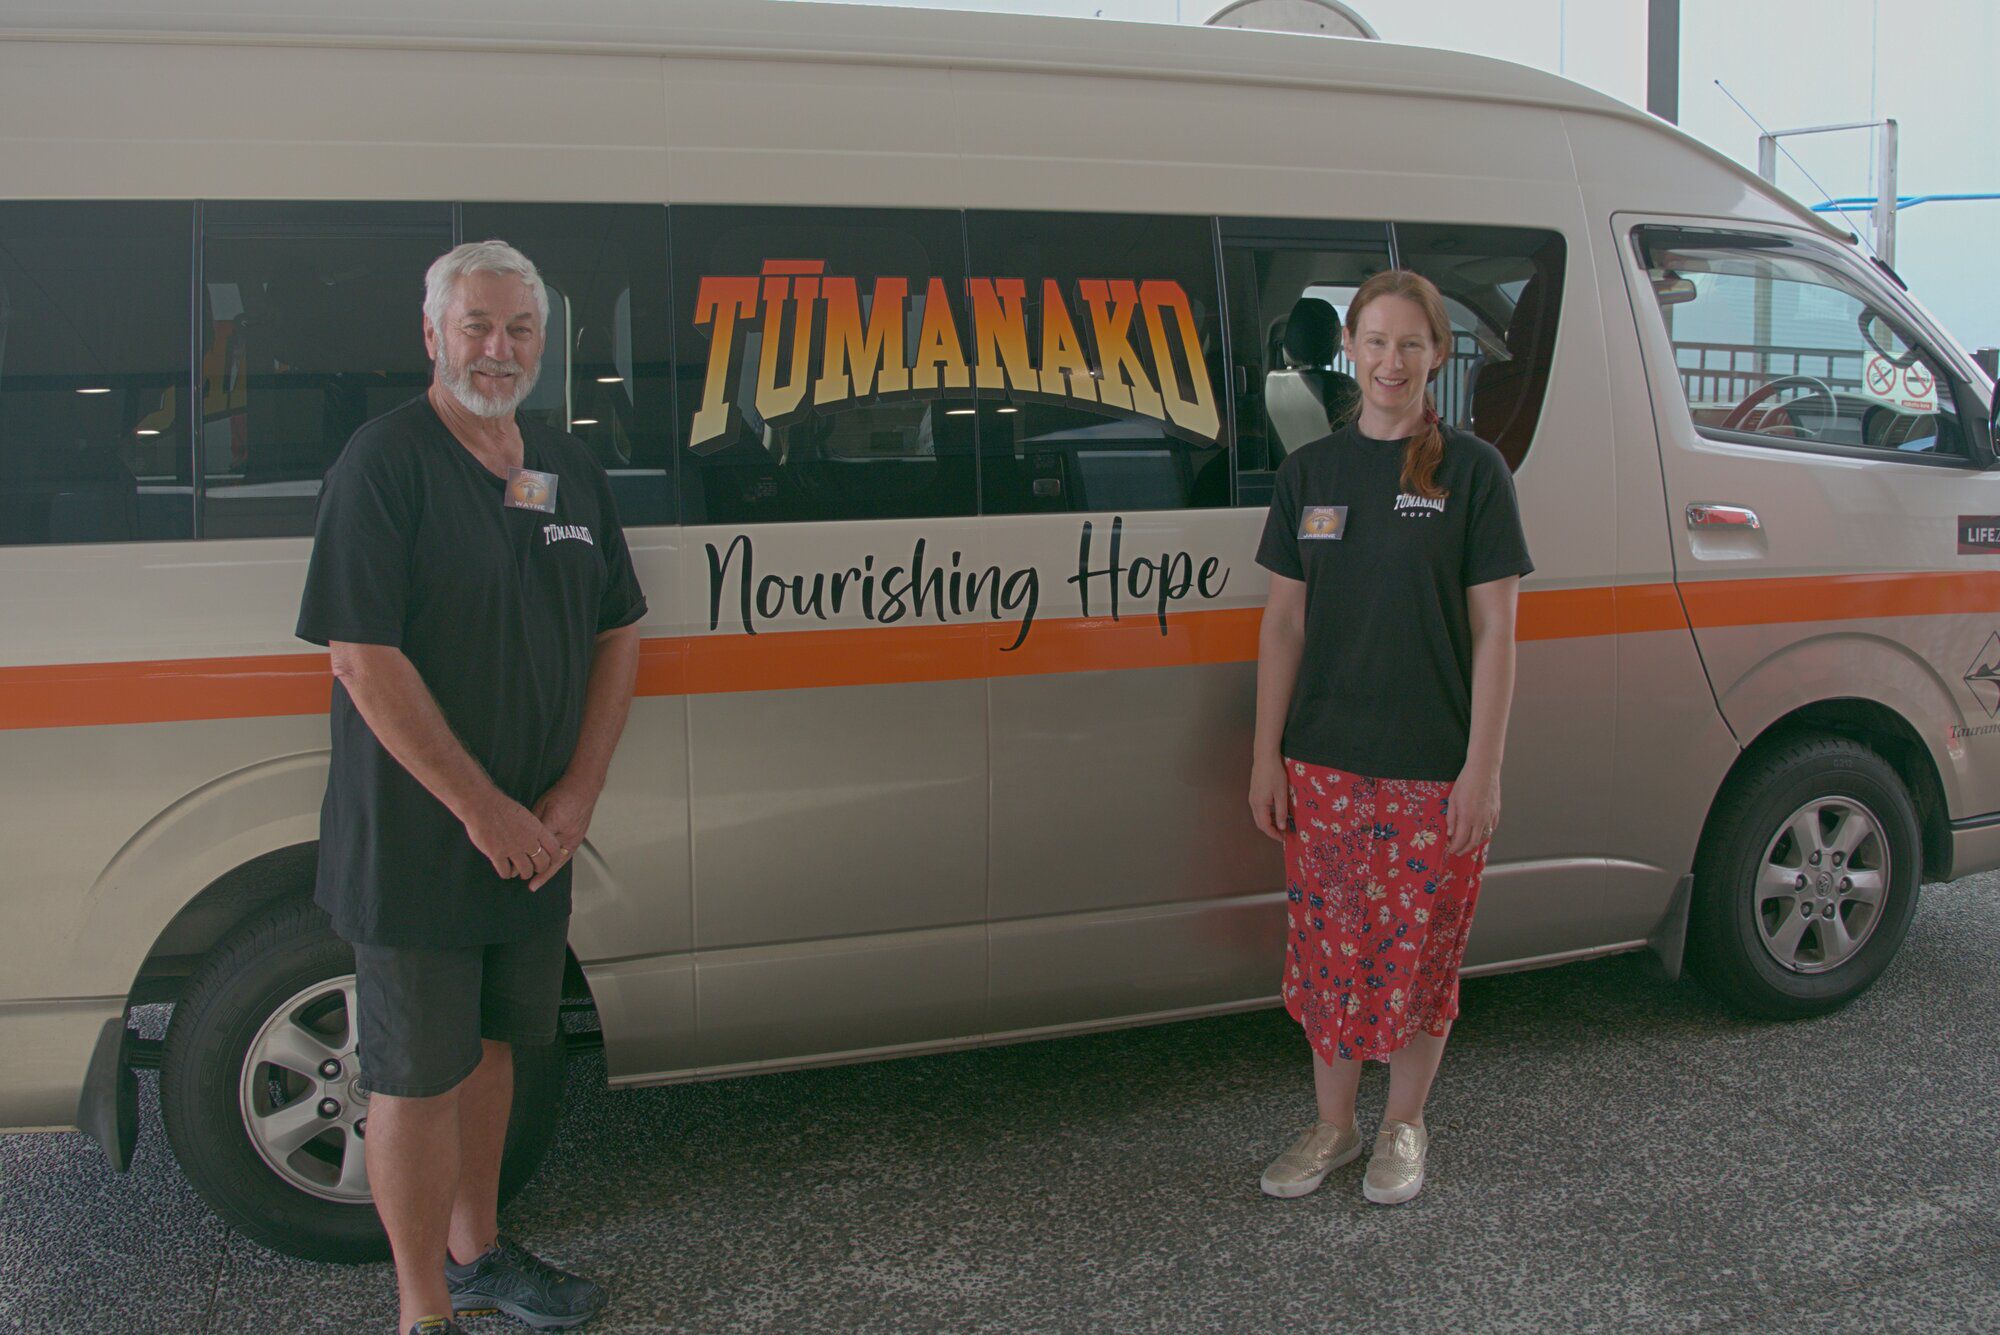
x: 479, y: 257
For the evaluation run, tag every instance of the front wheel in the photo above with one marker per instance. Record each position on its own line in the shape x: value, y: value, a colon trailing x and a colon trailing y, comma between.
x: 1806, y: 879
x: 258, y: 1092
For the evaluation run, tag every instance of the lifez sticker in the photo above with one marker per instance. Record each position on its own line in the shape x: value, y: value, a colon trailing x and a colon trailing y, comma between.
x: 529, y: 490
x: 1978, y: 533
x: 1328, y: 522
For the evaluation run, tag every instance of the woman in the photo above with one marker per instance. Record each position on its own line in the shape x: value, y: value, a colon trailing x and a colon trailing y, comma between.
x: 1385, y: 671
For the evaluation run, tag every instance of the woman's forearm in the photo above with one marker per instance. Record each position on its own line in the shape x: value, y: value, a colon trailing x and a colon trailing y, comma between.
x: 1492, y: 689
x: 1280, y: 646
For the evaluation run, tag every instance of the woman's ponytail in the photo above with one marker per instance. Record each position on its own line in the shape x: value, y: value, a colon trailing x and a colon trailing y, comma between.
x: 1423, y: 455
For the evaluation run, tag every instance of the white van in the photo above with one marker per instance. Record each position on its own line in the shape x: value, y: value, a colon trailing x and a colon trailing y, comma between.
x: 941, y: 362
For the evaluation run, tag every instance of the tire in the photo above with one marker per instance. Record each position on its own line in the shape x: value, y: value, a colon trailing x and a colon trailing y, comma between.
x: 1774, y: 953
x: 282, y: 974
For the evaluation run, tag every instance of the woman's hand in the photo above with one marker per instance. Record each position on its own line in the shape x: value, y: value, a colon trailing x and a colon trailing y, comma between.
x: 1474, y: 810
x: 1270, y: 798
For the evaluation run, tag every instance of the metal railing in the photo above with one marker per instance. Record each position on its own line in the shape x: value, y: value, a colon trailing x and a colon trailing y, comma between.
x: 1725, y: 374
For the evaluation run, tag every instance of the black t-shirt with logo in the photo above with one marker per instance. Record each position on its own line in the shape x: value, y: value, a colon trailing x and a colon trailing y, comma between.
x: 499, y: 609
x: 1385, y: 683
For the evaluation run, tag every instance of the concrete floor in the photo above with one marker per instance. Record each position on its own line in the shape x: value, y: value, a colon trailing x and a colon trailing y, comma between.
x: 1610, y: 1153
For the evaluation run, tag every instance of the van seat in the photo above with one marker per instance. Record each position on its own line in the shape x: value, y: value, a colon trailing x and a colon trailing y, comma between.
x: 1505, y: 397
x: 1306, y: 399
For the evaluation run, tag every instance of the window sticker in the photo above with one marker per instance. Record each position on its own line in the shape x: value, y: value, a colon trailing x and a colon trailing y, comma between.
x: 814, y: 319
x: 1978, y: 534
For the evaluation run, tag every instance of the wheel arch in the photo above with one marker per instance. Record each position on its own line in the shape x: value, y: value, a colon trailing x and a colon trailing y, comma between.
x: 218, y: 909
x: 234, y: 898
x: 1884, y: 731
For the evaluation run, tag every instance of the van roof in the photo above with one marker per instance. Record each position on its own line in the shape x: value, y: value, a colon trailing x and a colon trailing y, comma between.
x: 853, y: 33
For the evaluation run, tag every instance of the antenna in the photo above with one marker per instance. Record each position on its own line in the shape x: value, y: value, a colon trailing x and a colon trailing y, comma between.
x: 1767, y: 169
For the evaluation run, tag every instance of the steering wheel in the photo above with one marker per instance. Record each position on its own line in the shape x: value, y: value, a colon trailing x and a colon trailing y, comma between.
x: 1819, y: 388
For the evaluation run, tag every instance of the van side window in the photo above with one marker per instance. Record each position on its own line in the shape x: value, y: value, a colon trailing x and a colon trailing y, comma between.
x: 1097, y: 348
x: 1775, y: 345
x: 310, y: 326
x: 1289, y: 285
x: 94, y: 427
x: 821, y: 363
x: 1502, y: 288
x: 606, y: 375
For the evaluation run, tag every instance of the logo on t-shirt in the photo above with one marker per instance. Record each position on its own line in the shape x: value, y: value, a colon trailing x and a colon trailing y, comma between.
x: 1418, y: 507
x: 1323, y: 521
x: 566, y: 533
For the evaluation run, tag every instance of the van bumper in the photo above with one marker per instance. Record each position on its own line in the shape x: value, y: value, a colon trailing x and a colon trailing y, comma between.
x: 1975, y: 845
x: 49, y: 1053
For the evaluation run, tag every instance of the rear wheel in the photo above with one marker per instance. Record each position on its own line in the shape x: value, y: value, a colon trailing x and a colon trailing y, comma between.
x: 258, y: 1093
x: 1806, y: 879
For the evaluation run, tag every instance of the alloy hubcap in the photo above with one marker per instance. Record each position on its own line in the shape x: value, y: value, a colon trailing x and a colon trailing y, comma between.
x: 1810, y: 919
x: 301, y: 1104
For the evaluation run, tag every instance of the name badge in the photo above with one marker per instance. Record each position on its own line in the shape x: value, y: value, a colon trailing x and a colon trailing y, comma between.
x: 529, y: 490
x: 1326, y: 522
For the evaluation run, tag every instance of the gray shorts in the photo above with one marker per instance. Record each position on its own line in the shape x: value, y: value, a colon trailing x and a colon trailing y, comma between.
x: 424, y: 1010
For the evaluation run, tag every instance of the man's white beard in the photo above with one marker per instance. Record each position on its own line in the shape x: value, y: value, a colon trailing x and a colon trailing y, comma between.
x: 458, y: 379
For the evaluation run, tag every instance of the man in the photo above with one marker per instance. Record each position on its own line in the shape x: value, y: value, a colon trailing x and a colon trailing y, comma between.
x: 474, y: 587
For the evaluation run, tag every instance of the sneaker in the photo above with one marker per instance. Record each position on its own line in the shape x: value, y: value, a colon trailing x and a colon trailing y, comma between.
x: 1319, y: 1150
x: 509, y: 1278
x: 437, y: 1325
x: 1396, y: 1169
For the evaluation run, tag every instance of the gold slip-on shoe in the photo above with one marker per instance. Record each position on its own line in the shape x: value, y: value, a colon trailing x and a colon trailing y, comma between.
x: 1319, y: 1150
x: 1396, y: 1169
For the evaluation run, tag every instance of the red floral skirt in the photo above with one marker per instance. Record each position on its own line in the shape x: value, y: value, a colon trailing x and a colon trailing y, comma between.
x: 1377, y: 912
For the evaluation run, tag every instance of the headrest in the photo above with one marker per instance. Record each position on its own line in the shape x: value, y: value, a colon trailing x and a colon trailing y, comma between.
x: 1529, y: 315
x: 1310, y: 333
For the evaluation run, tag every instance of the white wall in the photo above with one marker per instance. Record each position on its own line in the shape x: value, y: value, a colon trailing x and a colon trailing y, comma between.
x: 1934, y: 65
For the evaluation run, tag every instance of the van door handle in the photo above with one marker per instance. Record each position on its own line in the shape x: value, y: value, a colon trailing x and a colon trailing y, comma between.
x: 1721, y: 516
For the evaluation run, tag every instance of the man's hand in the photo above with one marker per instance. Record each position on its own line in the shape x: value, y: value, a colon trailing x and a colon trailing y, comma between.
x: 566, y: 810
x: 518, y: 843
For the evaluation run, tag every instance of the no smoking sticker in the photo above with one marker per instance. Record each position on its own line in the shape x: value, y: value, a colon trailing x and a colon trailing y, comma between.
x: 1918, y: 384
x: 1908, y: 389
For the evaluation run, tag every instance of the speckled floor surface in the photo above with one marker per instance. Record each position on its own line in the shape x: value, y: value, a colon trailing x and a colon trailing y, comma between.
x: 1610, y: 1153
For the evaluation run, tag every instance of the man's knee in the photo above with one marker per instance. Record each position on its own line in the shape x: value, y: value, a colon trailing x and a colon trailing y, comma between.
x: 415, y: 1108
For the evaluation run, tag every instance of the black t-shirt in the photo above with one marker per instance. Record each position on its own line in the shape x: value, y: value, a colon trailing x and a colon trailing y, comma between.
x: 1385, y: 683
x: 499, y: 609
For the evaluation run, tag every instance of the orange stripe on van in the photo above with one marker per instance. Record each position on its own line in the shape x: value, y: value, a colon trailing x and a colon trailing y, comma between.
x: 274, y: 685
x: 1766, y: 602
x: 1633, y: 609
x: 68, y: 695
